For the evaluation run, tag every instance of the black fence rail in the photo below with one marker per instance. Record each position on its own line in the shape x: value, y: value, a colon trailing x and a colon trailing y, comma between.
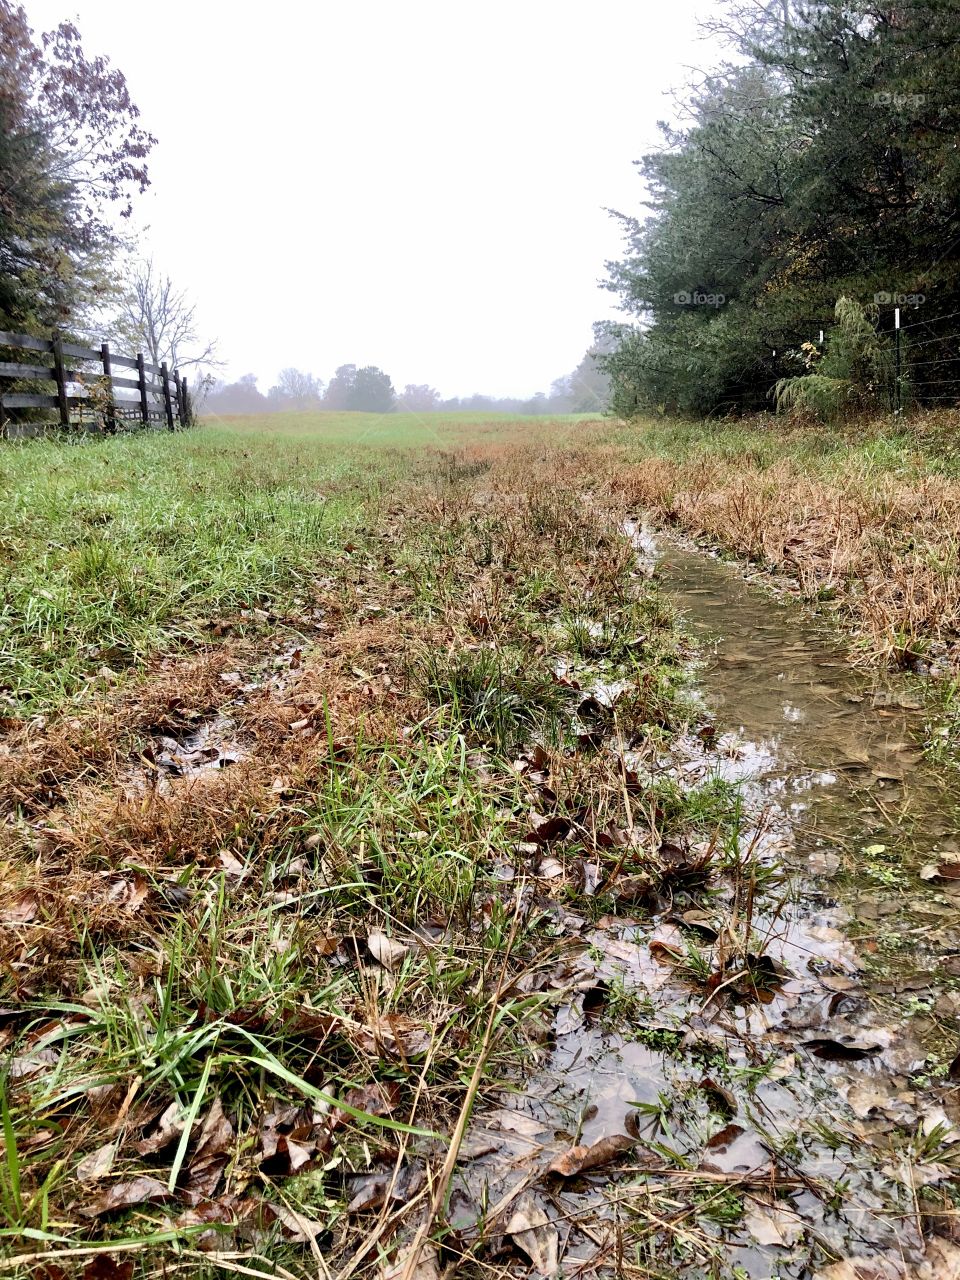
x: 87, y: 392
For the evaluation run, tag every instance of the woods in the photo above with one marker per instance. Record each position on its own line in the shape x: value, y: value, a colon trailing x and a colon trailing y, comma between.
x: 818, y: 163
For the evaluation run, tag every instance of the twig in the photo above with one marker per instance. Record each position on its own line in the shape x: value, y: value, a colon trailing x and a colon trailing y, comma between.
x: 446, y: 1173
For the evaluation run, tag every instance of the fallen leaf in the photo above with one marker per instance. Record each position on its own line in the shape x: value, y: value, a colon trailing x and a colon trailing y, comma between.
x: 104, y: 1267
x: 427, y: 1265
x: 97, y: 1164
x: 169, y: 1126
x: 773, y: 1224
x: 839, y: 1050
x: 21, y: 908
x: 543, y: 829
x: 396, y: 1034
x: 532, y: 1231
x: 666, y: 952
x: 581, y: 1158
x: 387, y: 951
x: 209, y: 1158
x: 124, y: 1195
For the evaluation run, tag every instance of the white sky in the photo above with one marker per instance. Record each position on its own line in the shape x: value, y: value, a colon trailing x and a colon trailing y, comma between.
x: 415, y: 184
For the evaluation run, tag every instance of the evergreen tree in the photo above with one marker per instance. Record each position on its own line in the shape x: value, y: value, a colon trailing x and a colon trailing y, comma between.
x: 820, y: 164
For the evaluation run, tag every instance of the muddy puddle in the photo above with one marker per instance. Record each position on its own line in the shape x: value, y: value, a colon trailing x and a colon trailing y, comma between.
x: 752, y: 1078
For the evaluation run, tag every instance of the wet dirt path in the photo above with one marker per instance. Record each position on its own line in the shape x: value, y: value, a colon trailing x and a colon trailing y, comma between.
x: 789, y: 1134
x: 837, y: 752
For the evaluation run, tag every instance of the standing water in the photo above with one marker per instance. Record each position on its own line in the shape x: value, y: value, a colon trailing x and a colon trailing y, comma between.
x: 816, y: 1125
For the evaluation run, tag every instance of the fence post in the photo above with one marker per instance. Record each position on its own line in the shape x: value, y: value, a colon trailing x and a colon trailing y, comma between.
x: 167, y: 401
x: 142, y: 377
x: 187, y: 410
x: 111, y: 414
x: 178, y: 381
x: 61, y: 380
x: 897, y: 403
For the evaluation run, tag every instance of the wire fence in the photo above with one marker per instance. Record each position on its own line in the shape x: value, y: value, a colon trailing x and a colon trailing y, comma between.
x: 923, y: 361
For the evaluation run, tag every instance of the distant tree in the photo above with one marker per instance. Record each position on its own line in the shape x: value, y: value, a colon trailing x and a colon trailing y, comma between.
x: 70, y: 149
x: 372, y: 391
x: 419, y: 398
x: 242, y: 396
x: 296, y: 390
x: 588, y: 387
x: 340, y: 386
x: 477, y: 402
x: 537, y: 404
x: 156, y: 317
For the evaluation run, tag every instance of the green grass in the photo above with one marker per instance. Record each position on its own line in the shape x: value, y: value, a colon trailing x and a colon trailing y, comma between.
x: 437, y: 817
x: 248, y: 973
x: 114, y: 550
x: 882, y: 448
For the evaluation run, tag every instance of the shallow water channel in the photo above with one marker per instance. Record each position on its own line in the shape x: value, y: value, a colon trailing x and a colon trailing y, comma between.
x: 784, y: 1135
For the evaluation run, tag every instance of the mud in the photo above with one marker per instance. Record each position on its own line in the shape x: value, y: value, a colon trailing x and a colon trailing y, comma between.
x: 795, y: 1111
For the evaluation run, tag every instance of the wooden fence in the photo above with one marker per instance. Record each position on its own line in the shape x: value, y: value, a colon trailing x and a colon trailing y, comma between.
x: 87, y: 390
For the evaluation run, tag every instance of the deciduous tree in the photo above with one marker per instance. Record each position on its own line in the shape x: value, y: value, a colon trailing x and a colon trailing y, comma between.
x: 71, y: 149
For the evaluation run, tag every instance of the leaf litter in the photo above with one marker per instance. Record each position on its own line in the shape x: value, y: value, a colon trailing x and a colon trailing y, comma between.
x: 703, y: 991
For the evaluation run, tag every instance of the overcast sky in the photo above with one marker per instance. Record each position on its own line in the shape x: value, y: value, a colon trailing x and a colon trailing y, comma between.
x: 415, y: 184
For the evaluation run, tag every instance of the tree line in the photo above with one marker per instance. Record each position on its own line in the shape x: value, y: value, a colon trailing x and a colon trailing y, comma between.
x: 817, y: 166
x: 73, y: 162
x: 73, y: 155
x: 368, y: 389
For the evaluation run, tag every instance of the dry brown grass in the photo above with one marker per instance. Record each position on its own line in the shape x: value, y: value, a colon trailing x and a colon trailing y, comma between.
x: 887, y: 552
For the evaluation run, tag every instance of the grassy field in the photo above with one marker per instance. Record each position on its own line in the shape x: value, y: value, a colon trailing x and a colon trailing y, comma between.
x: 215, y: 976
x: 864, y: 522
x: 310, y: 773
